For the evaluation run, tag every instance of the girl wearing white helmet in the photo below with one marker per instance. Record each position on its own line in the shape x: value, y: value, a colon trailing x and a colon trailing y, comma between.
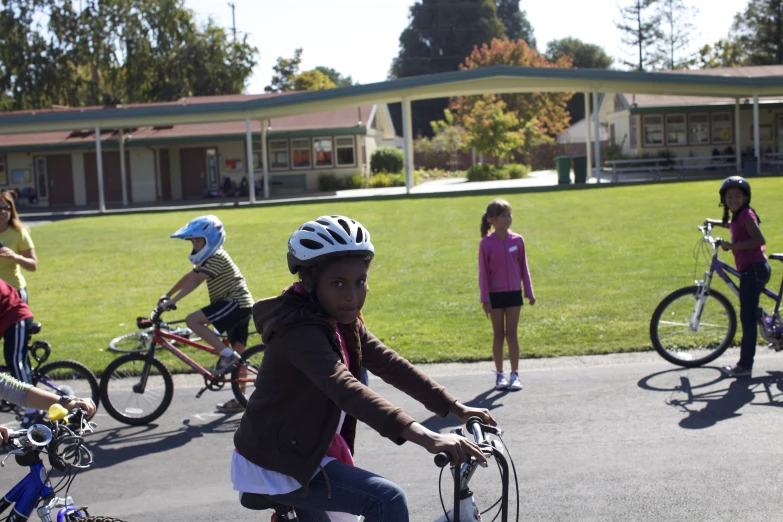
x: 747, y: 245
x: 230, y: 300
x: 295, y: 441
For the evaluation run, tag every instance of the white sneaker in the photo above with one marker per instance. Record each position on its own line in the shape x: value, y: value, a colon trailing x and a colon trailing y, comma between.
x: 514, y: 383
x: 500, y: 383
x: 225, y: 363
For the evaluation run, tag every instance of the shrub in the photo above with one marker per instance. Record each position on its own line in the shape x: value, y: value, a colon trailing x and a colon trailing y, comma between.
x: 435, y: 173
x: 486, y: 173
x: 330, y: 183
x: 354, y: 182
x: 516, y: 170
x: 386, y: 179
x: 387, y: 159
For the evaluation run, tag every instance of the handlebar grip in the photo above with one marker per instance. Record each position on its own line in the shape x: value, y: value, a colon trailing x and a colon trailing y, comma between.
x: 474, y: 425
x: 442, y: 459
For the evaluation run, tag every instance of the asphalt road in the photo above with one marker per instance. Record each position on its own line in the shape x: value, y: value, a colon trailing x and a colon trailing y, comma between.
x: 623, y: 437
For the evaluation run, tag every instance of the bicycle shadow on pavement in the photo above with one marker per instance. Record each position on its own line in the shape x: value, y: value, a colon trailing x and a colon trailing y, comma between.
x: 129, y: 442
x: 708, y: 397
x: 488, y: 399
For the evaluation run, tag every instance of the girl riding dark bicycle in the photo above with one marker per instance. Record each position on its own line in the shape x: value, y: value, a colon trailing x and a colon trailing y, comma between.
x: 295, y: 441
x: 747, y: 245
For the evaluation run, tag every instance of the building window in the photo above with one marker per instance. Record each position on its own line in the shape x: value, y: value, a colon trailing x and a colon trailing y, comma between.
x: 676, y: 133
x: 633, y: 143
x: 322, y: 150
x: 3, y: 171
x: 699, y: 129
x: 652, y: 129
x: 300, y: 150
x: 278, y: 154
x: 721, y: 127
x: 346, y: 152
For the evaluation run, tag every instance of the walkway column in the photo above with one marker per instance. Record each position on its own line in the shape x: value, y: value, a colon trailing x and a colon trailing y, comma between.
x: 407, y: 135
x: 588, y: 139
x: 99, y: 163
x: 737, y: 142
x: 250, y: 170
x: 756, y: 136
x: 265, y: 170
x: 122, y: 170
x: 597, y: 141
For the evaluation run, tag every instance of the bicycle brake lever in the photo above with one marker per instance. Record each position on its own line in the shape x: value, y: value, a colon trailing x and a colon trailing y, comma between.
x: 12, y: 452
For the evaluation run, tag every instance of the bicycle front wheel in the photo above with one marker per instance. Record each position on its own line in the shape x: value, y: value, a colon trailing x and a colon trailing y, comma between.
x: 93, y: 519
x: 128, y: 398
x: 243, y: 377
x: 131, y: 342
x: 67, y: 378
x: 675, y: 339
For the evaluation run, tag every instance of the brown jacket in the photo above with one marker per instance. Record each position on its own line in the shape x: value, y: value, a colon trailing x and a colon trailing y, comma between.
x: 303, y: 385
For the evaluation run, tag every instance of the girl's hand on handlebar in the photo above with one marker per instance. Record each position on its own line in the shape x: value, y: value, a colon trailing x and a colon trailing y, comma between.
x: 463, y: 413
x: 4, y: 434
x: 84, y: 404
x: 725, y: 245
x: 459, y: 448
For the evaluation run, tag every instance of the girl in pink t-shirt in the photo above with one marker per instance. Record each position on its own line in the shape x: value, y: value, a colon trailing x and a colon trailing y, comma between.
x: 747, y: 245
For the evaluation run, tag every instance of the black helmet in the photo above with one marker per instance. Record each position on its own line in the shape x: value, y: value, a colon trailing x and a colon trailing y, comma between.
x: 734, y: 182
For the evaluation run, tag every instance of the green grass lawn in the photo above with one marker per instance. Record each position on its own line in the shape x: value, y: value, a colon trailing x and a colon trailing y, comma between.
x: 600, y: 259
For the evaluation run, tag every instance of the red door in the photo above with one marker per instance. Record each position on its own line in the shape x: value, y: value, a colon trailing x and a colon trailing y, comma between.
x: 60, y: 172
x: 193, y: 165
x: 165, y: 174
x: 112, y: 178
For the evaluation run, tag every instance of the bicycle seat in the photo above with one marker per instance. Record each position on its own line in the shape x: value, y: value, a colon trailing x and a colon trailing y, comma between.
x: 35, y: 328
x: 258, y: 502
x: 779, y: 257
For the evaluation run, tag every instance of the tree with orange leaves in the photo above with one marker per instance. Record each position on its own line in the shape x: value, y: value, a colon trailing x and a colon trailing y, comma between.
x: 541, y: 115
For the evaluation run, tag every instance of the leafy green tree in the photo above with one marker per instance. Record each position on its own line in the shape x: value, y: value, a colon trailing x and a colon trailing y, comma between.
x: 677, y: 32
x: 515, y: 21
x: 759, y: 32
x: 492, y: 130
x: 448, y: 138
x: 313, y: 81
x: 440, y: 34
x: 338, y: 79
x: 286, y: 70
x: 640, y: 26
x: 723, y: 53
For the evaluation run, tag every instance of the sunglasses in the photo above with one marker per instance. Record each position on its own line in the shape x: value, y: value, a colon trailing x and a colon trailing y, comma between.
x: 5, y: 208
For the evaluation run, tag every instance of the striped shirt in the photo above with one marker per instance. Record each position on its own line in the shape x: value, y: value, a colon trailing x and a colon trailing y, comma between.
x: 12, y: 390
x: 225, y: 281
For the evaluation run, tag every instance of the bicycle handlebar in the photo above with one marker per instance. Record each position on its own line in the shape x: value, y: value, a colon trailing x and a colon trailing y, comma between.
x: 478, y: 429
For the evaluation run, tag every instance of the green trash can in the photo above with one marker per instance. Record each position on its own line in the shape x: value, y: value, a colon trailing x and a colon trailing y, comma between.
x: 563, y: 169
x: 580, y: 169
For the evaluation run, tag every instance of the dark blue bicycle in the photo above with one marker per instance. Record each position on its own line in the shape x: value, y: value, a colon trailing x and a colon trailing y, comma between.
x: 696, y: 324
x: 67, y: 454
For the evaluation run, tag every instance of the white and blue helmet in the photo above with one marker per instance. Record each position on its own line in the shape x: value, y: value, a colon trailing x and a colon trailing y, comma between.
x: 210, y: 228
x: 327, y: 236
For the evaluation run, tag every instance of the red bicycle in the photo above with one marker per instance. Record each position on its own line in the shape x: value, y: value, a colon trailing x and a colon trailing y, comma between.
x: 137, y: 388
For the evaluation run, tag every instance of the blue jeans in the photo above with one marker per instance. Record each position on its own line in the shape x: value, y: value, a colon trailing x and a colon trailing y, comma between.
x: 752, y: 281
x: 353, y: 490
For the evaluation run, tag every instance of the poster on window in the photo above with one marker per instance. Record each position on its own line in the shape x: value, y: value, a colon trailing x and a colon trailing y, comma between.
x: 21, y: 177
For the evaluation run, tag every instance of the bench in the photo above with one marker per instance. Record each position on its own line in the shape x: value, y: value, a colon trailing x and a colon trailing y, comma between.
x: 656, y: 166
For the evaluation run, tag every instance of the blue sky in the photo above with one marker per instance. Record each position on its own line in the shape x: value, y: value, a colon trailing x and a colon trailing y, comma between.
x: 361, y: 37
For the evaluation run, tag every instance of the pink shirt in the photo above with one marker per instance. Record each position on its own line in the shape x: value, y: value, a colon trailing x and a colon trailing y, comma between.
x: 744, y: 258
x: 503, y: 266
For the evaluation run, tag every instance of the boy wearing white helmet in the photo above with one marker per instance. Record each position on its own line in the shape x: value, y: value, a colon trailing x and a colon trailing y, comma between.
x: 230, y: 300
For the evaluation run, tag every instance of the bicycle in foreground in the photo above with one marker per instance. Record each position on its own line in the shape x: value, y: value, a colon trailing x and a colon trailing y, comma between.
x: 62, y: 440
x: 694, y: 325
x: 465, y: 508
x: 62, y: 377
x: 137, y: 388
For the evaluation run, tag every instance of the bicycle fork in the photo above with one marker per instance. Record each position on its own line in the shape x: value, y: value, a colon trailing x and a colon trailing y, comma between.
x: 140, y: 386
x: 701, y: 299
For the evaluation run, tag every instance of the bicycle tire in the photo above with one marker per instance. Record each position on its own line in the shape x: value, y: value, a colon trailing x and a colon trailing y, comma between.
x: 681, y: 345
x: 252, y: 357
x: 130, y: 342
x: 95, y: 519
x: 122, y: 402
x: 67, y: 377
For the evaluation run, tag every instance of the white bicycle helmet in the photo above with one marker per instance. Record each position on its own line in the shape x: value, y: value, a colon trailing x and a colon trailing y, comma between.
x: 210, y: 228
x: 327, y: 236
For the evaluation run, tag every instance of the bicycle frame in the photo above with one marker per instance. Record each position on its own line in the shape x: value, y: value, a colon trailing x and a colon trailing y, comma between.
x: 29, y: 491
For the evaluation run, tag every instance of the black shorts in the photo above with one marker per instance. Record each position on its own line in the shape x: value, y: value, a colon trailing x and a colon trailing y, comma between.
x: 227, y: 317
x: 505, y: 299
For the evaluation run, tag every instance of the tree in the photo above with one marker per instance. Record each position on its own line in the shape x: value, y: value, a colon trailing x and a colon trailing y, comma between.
x: 677, y: 32
x: 759, y: 32
x: 540, y: 115
x: 313, y: 81
x: 448, y: 138
x: 583, y: 56
x: 515, y: 21
x: 286, y: 70
x: 723, y: 53
x: 338, y: 79
x: 491, y: 129
x: 640, y: 27
x: 440, y: 34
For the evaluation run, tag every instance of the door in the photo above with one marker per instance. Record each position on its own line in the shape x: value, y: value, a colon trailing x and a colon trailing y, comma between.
x: 193, y: 164
x: 112, y: 177
x: 59, y: 171
x: 41, y: 178
x: 165, y: 174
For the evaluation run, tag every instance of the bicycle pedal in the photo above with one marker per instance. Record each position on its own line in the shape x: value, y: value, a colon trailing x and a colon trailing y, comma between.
x: 201, y: 392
